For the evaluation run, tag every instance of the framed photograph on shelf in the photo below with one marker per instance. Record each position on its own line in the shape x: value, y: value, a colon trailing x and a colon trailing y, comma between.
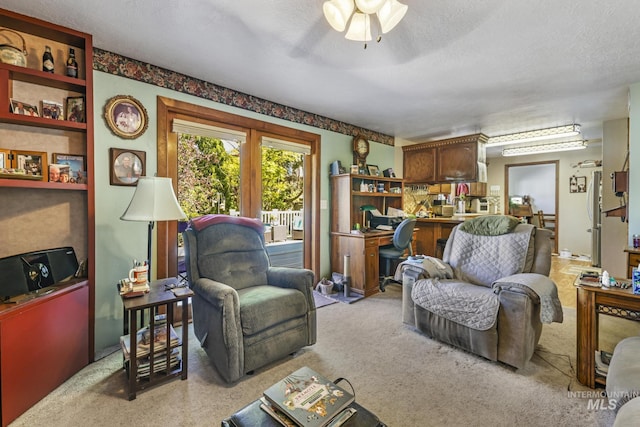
x: 59, y: 173
x: 75, y: 109
x: 33, y: 164
x: 5, y: 158
x: 77, y: 167
x: 126, y: 116
x: 354, y: 169
x: 126, y: 166
x: 19, y: 107
x: 373, y: 170
x: 52, y: 110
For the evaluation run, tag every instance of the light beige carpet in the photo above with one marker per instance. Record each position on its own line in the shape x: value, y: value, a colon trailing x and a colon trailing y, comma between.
x: 399, y: 374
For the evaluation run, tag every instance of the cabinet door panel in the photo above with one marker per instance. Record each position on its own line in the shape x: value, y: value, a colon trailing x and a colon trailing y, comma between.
x: 457, y: 162
x: 420, y: 165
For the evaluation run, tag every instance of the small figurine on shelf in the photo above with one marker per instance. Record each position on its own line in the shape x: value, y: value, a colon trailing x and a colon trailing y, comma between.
x: 72, y: 64
x: 47, y: 60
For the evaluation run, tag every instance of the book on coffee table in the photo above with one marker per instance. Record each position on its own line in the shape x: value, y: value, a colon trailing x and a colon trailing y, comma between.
x: 308, y: 398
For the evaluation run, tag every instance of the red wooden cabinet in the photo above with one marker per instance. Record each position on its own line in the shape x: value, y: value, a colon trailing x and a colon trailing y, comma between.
x: 43, y: 342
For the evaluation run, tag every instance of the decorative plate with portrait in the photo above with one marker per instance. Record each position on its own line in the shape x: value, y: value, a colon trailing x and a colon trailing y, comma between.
x: 126, y: 117
x: 126, y: 166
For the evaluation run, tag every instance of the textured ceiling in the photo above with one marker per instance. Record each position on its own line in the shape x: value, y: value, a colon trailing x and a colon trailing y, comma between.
x: 451, y: 67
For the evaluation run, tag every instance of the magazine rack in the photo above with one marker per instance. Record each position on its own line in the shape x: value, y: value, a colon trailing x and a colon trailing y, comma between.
x: 135, y: 308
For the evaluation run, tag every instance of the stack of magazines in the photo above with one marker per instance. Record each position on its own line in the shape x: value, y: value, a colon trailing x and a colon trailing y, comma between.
x: 589, y: 278
x: 306, y: 398
x: 159, y: 349
x: 603, y: 358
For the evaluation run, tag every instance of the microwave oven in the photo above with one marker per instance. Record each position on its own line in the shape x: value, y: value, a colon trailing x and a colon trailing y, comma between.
x: 480, y: 205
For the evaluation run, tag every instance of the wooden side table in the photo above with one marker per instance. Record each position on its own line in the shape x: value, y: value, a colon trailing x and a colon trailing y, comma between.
x: 134, y: 309
x: 592, y: 301
x: 633, y: 259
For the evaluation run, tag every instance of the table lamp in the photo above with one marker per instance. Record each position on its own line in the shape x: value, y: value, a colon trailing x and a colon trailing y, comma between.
x: 153, y: 200
x: 365, y: 209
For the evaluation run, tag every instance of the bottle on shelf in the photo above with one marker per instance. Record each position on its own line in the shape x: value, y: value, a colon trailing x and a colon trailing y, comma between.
x: 47, y: 60
x: 72, y: 64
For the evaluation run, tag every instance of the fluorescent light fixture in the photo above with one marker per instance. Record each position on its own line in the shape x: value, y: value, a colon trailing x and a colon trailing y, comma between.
x: 545, y: 148
x: 534, y: 135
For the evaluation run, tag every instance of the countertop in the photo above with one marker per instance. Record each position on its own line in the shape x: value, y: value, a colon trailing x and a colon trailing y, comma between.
x: 455, y: 218
x: 440, y: 219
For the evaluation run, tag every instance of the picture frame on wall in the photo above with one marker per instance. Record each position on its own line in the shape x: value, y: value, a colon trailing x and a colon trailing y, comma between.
x: 126, y: 166
x: 577, y: 184
x: 126, y: 117
x: 77, y: 167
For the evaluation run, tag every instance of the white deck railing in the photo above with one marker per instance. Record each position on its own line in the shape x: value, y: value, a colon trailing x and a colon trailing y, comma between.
x: 278, y: 217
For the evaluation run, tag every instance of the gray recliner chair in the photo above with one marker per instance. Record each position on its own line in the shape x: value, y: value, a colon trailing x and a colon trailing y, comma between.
x: 246, y: 314
x: 490, y: 294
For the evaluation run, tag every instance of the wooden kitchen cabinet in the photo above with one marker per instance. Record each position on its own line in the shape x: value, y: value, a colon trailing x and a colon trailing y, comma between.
x: 478, y: 189
x: 420, y: 165
x: 448, y: 160
x: 440, y: 189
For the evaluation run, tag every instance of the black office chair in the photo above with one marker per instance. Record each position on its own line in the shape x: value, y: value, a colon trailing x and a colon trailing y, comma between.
x: 402, y: 238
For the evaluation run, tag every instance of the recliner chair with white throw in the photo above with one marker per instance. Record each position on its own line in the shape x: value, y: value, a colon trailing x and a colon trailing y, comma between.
x: 489, y: 294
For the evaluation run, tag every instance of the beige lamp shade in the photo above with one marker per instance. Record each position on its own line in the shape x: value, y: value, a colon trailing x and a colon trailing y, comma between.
x: 153, y: 200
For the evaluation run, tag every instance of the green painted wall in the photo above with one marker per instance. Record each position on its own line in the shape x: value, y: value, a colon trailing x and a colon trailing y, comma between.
x: 119, y: 242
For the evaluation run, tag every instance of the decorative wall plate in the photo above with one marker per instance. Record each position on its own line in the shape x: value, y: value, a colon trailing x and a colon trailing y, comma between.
x: 126, y: 116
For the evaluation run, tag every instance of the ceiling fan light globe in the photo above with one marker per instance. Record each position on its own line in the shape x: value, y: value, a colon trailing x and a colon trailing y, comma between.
x: 369, y: 6
x: 359, y: 28
x: 391, y: 14
x: 337, y: 13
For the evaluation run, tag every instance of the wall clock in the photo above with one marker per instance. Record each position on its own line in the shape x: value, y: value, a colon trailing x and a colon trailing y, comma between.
x: 360, y: 152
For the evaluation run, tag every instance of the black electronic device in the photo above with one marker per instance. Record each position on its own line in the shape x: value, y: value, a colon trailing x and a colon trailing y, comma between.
x: 389, y: 173
x: 389, y: 221
x: 28, y: 272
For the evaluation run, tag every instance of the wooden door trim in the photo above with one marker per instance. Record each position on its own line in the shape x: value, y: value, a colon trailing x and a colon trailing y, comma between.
x: 166, y: 242
x: 557, y: 191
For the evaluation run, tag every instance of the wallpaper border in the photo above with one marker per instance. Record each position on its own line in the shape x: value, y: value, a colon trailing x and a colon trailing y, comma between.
x: 113, y: 63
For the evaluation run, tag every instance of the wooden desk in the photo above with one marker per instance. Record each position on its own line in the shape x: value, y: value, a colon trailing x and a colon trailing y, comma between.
x: 363, y: 250
x: 430, y: 230
x: 592, y: 301
x: 134, y: 308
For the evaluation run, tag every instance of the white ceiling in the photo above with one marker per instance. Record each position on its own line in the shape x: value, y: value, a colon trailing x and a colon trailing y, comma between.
x: 451, y: 67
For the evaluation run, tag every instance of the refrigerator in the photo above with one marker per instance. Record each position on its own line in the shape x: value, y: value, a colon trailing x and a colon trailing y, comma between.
x: 594, y: 210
